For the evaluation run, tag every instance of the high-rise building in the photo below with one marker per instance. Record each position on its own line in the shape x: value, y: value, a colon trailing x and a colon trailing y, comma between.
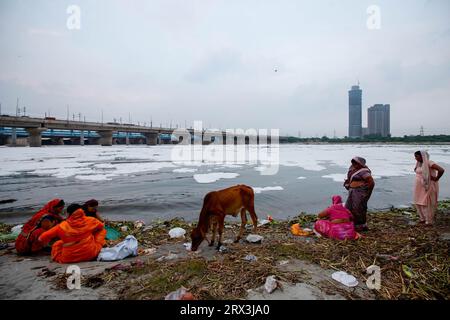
x: 355, y: 112
x: 379, y: 120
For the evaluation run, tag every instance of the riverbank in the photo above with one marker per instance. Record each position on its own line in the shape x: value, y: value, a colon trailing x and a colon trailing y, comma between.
x: 414, y: 262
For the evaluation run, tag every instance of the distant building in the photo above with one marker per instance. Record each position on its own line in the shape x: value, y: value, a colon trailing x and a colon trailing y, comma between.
x: 365, y: 132
x: 379, y: 120
x: 355, y: 112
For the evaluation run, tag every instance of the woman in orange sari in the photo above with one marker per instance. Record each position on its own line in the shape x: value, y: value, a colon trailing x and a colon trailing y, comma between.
x: 27, y: 241
x: 82, y: 237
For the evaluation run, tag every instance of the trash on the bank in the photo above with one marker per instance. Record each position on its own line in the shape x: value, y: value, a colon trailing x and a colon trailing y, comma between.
x: 296, y: 230
x: 180, y: 294
x: 188, y: 246
x: 139, y: 224
x: 345, y: 278
x: 111, y: 233
x: 250, y: 258
x: 228, y: 241
x: 16, y: 230
x: 170, y: 256
x: 408, y: 271
x: 263, y: 222
x: 283, y: 262
x: 124, y: 228
x: 177, y: 232
x: 137, y: 263
x: 149, y: 251
x: 271, y: 284
x: 254, y: 238
x: 127, y: 247
x: 223, y: 249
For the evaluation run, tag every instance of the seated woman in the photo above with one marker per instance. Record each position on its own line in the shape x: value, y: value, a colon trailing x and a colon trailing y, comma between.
x: 90, y: 209
x: 82, y: 237
x: 27, y: 241
x: 337, y: 223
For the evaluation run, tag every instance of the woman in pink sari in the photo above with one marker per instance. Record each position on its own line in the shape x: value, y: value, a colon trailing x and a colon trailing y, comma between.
x: 336, y: 222
x: 426, y: 191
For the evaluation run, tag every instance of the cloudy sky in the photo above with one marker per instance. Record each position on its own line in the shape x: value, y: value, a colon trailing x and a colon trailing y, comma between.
x: 215, y: 61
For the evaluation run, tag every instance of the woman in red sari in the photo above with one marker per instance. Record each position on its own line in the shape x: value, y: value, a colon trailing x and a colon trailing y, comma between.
x: 82, y: 237
x: 27, y: 241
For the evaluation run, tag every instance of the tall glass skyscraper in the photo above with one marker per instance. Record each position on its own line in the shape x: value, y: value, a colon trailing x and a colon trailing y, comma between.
x: 355, y: 112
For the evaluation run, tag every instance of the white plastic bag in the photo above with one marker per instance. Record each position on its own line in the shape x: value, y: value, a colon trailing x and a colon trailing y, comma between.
x: 177, y: 232
x: 127, y: 247
x: 254, y: 238
x: 271, y: 284
x: 345, y: 278
x: 16, y: 230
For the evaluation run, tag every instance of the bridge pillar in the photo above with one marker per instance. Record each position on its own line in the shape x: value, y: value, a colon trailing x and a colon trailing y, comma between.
x: 13, y: 137
x: 105, y: 137
x: 152, y: 139
x: 35, y: 136
x: 81, y: 138
x: 127, y: 138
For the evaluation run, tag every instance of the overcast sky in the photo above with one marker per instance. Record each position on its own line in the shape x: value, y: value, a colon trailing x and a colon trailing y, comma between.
x: 215, y: 61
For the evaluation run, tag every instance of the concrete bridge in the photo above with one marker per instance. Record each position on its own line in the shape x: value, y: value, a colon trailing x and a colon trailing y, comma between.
x: 35, y: 127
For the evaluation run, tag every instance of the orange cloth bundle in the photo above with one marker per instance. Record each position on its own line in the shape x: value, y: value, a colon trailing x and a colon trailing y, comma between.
x: 298, y: 231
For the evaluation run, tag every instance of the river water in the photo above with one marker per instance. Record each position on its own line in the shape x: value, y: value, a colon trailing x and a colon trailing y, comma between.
x: 149, y: 182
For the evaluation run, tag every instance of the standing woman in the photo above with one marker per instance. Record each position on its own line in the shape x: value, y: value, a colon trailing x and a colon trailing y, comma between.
x: 426, y: 191
x: 360, y: 185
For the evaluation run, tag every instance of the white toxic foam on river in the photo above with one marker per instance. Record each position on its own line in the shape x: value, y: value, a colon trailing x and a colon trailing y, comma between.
x: 214, y: 176
x: 264, y: 189
x: 105, y: 163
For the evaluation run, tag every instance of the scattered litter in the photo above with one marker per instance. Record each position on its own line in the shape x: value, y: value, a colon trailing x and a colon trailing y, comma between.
x: 16, y: 230
x: 139, y: 224
x: 407, y: 213
x: 111, y: 233
x: 177, y: 233
x: 254, y: 238
x: 228, y: 241
x: 223, y: 249
x: 180, y: 294
x: 120, y: 251
x: 263, y: 222
x: 170, y: 256
x: 296, y: 230
x: 345, y: 278
x: 146, y: 228
x: 124, y: 228
x: 188, y: 246
x: 250, y: 258
x: 283, y: 262
x: 149, y: 251
x: 408, y: 271
x: 271, y: 284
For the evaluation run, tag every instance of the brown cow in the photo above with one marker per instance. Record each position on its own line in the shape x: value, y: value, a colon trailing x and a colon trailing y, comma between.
x: 218, y: 204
